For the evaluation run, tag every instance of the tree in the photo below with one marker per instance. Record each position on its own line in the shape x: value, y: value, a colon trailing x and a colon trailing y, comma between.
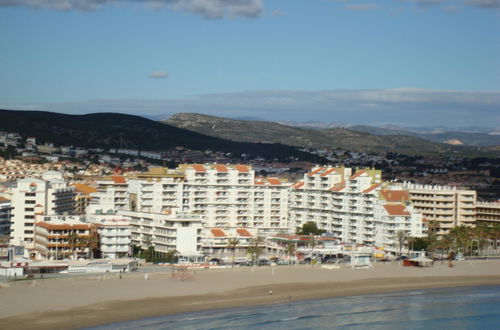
x: 255, y: 249
x: 232, y: 243
x: 310, y: 228
x: 73, y: 241
x: 290, y: 250
x: 401, y: 238
x: 91, y: 241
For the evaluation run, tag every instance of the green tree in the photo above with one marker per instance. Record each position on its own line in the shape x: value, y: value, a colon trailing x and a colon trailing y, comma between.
x: 310, y: 228
x: 255, y: 249
x: 290, y: 250
x: 401, y: 238
x: 232, y: 244
x: 73, y: 241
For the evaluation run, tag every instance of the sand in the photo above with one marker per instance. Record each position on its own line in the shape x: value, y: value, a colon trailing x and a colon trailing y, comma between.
x: 75, y: 302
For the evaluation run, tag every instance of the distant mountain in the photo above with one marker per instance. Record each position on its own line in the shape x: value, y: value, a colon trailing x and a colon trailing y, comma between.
x: 347, y: 139
x: 466, y: 138
x: 113, y: 130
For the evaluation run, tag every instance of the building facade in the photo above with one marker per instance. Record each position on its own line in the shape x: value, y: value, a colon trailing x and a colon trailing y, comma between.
x: 48, y: 196
x: 5, y: 218
x: 177, y: 231
x: 350, y: 207
x: 448, y: 207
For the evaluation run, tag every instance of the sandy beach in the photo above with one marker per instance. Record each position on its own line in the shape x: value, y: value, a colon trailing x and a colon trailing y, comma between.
x: 76, y: 302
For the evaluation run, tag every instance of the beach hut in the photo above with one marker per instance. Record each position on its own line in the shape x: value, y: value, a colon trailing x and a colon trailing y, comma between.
x: 422, y: 261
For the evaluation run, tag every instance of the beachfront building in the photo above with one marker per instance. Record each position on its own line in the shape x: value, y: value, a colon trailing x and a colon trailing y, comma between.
x: 217, y: 242
x: 112, y: 196
x: 177, y: 231
x: 448, y: 206
x: 50, y: 195
x: 83, y: 197
x: 5, y: 217
x: 226, y: 196
x: 488, y: 213
x: 230, y: 196
x: 59, y: 239
x: 352, y: 207
x: 114, y: 235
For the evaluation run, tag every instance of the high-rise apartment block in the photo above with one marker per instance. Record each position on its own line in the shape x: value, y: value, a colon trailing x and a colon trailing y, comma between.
x: 5, y: 215
x: 449, y: 207
x: 353, y: 207
x: 50, y: 195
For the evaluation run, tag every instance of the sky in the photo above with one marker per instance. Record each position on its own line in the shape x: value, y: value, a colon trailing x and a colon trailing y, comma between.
x: 400, y: 62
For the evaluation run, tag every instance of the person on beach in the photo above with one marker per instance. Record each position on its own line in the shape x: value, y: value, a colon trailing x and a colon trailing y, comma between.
x: 451, y: 256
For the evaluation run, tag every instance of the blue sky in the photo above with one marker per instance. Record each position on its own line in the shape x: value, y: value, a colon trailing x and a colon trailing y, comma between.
x: 406, y: 62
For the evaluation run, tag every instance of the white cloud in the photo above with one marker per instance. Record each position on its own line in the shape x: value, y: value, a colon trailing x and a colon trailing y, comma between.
x: 362, y: 7
x: 484, y: 3
x: 158, y: 75
x: 398, y: 106
x: 206, y: 8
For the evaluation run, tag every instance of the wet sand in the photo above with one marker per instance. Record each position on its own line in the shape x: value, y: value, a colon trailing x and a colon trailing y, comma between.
x: 76, y: 302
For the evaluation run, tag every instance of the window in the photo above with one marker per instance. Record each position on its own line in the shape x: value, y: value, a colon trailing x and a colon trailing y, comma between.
x: 28, y: 231
x: 30, y: 202
x: 29, y: 217
x: 30, y: 194
x: 29, y: 209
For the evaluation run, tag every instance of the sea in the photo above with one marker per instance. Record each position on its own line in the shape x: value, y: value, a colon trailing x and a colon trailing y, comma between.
x: 450, y: 308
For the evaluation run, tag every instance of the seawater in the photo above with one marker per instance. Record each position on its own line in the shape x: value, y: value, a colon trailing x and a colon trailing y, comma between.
x: 452, y: 308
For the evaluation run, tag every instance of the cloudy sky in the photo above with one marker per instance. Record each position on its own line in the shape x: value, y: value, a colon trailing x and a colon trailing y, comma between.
x: 405, y: 62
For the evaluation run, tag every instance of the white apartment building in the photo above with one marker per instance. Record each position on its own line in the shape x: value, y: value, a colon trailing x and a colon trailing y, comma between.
x: 166, y: 232
x: 49, y: 196
x: 112, y: 196
x: 229, y: 196
x: 5, y: 215
x: 114, y: 235
x: 350, y: 206
x: 449, y: 206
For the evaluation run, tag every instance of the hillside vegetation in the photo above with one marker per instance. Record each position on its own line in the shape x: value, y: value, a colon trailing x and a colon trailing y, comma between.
x: 332, y: 138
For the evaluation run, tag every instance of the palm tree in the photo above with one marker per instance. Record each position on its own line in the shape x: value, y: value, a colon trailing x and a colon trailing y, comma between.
x: 290, y: 250
x: 91, y: 241
x: 401, y: 238
x: 255, y: 248
x: 232, y: 243
x: 73, y: 242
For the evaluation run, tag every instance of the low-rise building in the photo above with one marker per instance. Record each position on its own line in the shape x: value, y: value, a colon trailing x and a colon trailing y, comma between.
x: 488, y: 213
x: 175, y: 231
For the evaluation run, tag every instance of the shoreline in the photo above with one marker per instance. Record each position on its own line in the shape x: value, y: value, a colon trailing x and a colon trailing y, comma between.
x: 78, y: 313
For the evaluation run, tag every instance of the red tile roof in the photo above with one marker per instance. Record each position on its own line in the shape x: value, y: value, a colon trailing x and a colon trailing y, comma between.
x: 397, y: 209
x: 2, y: 200
x: 220, y: 168
x: 328, y: 172
x: 372, y: 188
x: 218, y: 232
x: 274, y: 181
x: 338, y: 187
x: 357, y: 174
x: 242, y: 168
x: 199, y: 168
x: 118, y: 179
x: 83, y: 188
x: 316, y: 171
x: 395, y: 195
x: 243, y: 232
x: 51, y: 226
x: 298, y: 185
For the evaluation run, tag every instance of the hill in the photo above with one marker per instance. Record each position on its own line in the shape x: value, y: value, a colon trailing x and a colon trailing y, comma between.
x: 467, y: 138
x: 112, y: 130
x: 332, y: 138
